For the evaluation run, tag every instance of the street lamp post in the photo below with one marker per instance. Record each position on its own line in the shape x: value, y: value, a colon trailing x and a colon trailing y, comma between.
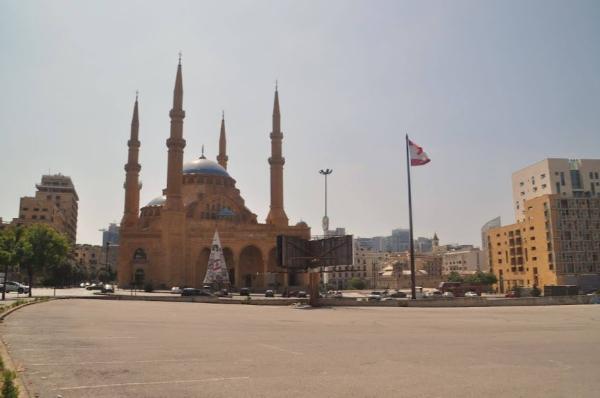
x: 107, y: 262
x: 325, y: 222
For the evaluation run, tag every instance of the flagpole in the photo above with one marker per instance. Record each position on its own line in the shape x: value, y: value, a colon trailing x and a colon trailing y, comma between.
x: 413, y: 278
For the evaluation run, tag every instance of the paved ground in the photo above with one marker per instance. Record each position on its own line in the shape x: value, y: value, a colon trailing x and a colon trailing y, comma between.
x: 90, y: 348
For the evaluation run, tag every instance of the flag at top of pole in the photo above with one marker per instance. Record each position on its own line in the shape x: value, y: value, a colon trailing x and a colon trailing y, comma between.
x: 417, y: 156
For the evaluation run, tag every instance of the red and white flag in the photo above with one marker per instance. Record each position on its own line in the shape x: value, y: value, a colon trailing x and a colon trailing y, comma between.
x: 417, y: 156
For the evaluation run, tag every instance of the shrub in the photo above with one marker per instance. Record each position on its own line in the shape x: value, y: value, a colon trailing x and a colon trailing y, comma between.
x: 9, y: 389
x: 357, y: 283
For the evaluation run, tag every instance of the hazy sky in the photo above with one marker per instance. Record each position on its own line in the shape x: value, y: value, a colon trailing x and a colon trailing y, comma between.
x: 486, y: 87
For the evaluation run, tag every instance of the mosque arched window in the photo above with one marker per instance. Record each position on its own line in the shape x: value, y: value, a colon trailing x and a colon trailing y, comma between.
x: 139, y: 255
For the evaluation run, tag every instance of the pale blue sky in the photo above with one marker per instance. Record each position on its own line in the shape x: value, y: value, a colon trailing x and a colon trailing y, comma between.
x: 486, y: 87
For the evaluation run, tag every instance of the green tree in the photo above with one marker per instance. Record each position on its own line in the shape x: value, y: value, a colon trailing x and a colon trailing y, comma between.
x: 13, y: 249
x: 481, y: 278
x: 46, y: 252
x: 357, y: 283
x: 455, y: 277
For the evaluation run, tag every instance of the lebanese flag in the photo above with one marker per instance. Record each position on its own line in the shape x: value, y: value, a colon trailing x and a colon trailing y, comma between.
x: 417, y: 156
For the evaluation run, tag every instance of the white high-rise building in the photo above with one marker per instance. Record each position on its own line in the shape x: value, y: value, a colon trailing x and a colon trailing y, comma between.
x: 568, y: 177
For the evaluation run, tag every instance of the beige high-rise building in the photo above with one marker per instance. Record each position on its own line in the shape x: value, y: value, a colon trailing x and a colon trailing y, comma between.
x: 565, y: 177
x: 55, y: 203
x: 467, y: 261
x: 557, y: 242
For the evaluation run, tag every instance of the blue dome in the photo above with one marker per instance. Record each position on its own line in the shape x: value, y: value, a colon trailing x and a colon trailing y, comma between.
x: 225, y: 212
x: 204, y: 166
x: 158, y: 201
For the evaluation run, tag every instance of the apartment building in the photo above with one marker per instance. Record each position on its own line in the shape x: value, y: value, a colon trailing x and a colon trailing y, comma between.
x: 55, y: 203
x: 565, y: 177
x: 556, y: 242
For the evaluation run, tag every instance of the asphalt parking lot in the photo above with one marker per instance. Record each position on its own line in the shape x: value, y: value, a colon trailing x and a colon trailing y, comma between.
x: 93, y: 348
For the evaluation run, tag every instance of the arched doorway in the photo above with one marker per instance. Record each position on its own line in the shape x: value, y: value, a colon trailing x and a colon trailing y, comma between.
x: 201, y: 266
x: 251, y: 267
x: 228, y: 254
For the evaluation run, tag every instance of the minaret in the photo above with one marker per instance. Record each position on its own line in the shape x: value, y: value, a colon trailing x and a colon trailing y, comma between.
x: 176, y: 143
x: 132, y: 172
x: 222, y: 158
x: 173, y: 215
x: 276, y: 215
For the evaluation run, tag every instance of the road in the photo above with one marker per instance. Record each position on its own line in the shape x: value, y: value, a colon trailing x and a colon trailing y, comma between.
x: 85, y: 348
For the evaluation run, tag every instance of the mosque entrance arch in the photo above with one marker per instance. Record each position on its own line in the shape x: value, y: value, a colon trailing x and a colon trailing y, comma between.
x: 251, y: 267
x: 201, y: 267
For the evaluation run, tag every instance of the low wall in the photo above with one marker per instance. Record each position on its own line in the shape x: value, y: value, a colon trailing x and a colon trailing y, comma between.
x: 353, y: 302
x: 465, y: 302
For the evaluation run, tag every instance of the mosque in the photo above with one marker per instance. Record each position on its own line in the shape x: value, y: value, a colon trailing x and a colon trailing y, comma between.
x: 168, y: 241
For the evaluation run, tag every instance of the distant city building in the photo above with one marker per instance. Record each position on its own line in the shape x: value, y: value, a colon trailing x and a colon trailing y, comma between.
x: 3, y: 224
x: 565, y: 177
x: 485, y: 259
x: 423, y: 245
x: 557, y: 242
x: 90, y: 258
x: 461, y: 261
x: 399, y: 240
x: 365, y: 267
x: 111, y: 234
x: 55, y: 203
x: 335, y: 232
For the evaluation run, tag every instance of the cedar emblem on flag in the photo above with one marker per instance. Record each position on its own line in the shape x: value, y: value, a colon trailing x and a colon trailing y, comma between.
x: 417, y: 156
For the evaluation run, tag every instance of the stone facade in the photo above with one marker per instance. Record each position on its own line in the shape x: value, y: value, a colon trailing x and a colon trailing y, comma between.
x: 462, y: 261
x: 167, y: 242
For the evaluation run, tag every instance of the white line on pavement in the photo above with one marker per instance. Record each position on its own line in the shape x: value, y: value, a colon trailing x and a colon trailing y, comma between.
x: 274, y: 347
x: 213, y: 379
x: 117, y: 362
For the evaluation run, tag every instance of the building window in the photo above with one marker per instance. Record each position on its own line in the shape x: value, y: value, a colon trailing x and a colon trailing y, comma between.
x: 562, y: 178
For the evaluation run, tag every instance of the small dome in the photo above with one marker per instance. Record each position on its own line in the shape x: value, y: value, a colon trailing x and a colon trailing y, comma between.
x: 204, y: 166
x: 302, y: 224
x: 158, y: 201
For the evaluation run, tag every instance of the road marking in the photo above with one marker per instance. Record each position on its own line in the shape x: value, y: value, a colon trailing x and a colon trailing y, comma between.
x: 149, y: 383
x: 117, y: 362
x: 274, y: 347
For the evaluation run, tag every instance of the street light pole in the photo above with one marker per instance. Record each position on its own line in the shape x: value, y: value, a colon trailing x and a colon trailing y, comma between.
x: 325, y: 172
x: 325, y: 222
x: 107, y: 263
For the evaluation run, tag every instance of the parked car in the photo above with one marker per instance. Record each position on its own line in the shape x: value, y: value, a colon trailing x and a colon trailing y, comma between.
x: 269, y: 293
x: 434, y: 293
x: 191, y: 291
x: 338, y: 294
x: 14, y: 287
x: 398, y: 294
x: 374, y: 296
x: 82, y: 284
x: 108, y: 288
x: 222, y: 293
x: 244, y: 291
x: 94, y: 286
x: 448, y: 294
x: 471, y: 294
x: 511, y: 294
x: 176, y: 290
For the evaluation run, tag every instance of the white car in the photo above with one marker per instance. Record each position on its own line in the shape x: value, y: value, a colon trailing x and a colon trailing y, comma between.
x: 470, y: 294
x: 15, y: 287
x: 176, y: 290
x: 448, y: 294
